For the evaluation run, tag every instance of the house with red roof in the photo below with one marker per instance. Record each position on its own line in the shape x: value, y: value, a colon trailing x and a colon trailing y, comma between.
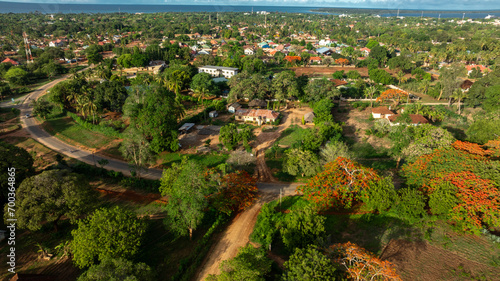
x: 11, y: 61
x: 382, y: 112
x: 482, y: 68
x: 293, y: 58
x: 315, y: 60
x: 261, y: 116
x: 365, y: 51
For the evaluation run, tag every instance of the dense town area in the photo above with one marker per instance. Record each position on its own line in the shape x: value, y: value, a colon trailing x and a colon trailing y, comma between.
x: 249, y: 146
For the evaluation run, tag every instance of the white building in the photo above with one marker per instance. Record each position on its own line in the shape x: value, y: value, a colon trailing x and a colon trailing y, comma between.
x: 217, y: 71
x: 249, y: 52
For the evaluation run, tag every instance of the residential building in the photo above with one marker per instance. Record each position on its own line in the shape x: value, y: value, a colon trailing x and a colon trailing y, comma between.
x: 261, y: 116
x: 11, y: 61
x: 217, y: 71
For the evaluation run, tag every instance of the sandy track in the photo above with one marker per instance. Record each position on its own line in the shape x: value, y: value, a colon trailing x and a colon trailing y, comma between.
x: 236, y: 235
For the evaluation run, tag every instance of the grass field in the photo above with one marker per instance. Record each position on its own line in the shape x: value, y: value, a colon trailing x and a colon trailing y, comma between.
x: 69, y: 130
x: 291, y: 135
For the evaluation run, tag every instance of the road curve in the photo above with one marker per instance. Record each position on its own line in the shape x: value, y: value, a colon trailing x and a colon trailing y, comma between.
x: 33, y: 127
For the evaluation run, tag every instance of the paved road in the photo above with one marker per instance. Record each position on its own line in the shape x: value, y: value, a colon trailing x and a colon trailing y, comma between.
x: 33, y: 127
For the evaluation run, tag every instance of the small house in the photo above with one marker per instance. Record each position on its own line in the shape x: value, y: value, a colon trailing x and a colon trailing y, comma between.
x: 309, y: 117
x: 11, y: 61
x: 233, y: 107
x: 260, y: 116
x: 382, y: 112
x: 213, y: 114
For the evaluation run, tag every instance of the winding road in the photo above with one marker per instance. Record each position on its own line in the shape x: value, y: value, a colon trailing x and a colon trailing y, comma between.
x: 33, y: 127
x: 238, y: 232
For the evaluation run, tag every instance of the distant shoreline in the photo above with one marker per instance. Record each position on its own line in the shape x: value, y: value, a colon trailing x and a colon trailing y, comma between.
x: 401, y: 11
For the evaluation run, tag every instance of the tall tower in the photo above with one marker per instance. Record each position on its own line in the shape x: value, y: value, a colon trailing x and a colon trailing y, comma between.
x: 27, y: 48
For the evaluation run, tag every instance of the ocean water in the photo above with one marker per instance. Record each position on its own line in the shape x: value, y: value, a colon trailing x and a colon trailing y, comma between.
x: 12, y: 7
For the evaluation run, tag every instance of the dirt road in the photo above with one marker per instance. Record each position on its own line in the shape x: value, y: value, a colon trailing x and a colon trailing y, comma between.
x: 266, y: 139
x: 237, y: 235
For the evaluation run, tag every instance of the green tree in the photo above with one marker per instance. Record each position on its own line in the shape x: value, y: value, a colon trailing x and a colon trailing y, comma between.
x: 300, y: 162
x: 492, y: 98
x: 309, y: 264
x: 379, y: 53
x: 229, y: 136
x: 319, y: 89
x: 334, y: 149
x: 116, y: 270
x: 250, y: 86
x: 157, y: 118
x: 285, y: 85
x: 302, y: 227
x: 381, y: 195
x: 107, y: 233
x: 485, y: 127
x: 42, y: 108
x: 449, y: 78
x: 17, y: 158
x: 136, y: 149
x: 49, y: 196
x: 16, y: 76
x: 251, y: 264
x: 353, y: 74
x: 410, y: 204
x: 203, y: 85
x: 186, y: 197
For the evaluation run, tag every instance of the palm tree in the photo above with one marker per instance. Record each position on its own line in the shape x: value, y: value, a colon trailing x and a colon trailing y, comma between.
x: 201, y: 92
x: 90, y: 108
x: 401, y: 77
x: 458, y: 94
x: 369, y: 92
x: 424, y: 86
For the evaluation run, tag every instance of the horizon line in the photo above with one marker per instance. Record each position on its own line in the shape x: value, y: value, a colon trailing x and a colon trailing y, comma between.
x: 246, y: 5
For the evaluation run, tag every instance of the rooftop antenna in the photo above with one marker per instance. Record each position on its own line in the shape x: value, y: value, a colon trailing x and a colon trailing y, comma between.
x: 439, y: 17
x: 217, y: 17
x: 463, y: 16
x: 252, y: 10
x: 398, y: 14
x: 422, y: 16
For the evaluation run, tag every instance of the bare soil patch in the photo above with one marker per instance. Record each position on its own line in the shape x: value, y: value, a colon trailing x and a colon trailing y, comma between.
x: 323, y: 71
x: 423, y: 261
x: 355, y: 125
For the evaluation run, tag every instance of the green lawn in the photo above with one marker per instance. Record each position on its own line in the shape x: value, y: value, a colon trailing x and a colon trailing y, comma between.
x: 69, y: 130
x: 291, y: 135
x: 209, y: 160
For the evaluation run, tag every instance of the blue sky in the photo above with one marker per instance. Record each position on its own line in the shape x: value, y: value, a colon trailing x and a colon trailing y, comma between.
x: 383, y: 4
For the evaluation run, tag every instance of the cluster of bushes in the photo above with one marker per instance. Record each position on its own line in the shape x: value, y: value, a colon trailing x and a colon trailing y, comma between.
x: 117, y: 177
x: 101, y: 128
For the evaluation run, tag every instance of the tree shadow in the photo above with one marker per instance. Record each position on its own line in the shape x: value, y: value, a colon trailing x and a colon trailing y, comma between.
x: 371, y: 231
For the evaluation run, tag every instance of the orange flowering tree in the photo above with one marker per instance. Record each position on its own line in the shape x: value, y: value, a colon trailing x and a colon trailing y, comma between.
x: 467, y: 200
x: 393, y: 95
x: 342, y: 61
x: 361, y: 264
x: 339, y: 185
x: 461, y: 156
x: 237, y: 191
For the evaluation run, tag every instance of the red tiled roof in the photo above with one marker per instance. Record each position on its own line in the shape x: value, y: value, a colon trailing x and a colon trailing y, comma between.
x: 415, y: 118
x: 292, y: 58
x: 338, y: 82
x: 264, y: 113
x: 382, y: 110
x: 472, y: 66
x: 11, y: 61
x: 315, y: 58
